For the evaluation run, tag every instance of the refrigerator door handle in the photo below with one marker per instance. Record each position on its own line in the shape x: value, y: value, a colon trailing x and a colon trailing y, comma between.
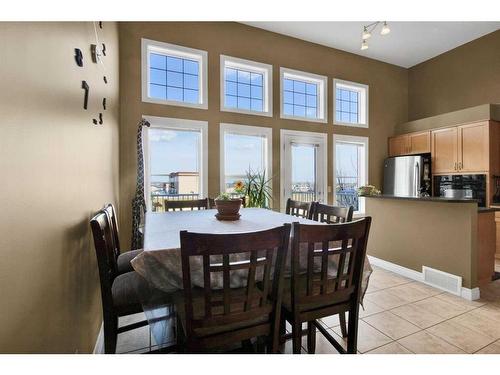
x: 417, y: 179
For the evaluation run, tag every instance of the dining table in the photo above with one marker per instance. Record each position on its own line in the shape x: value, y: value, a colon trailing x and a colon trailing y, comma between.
x: 160, y: 262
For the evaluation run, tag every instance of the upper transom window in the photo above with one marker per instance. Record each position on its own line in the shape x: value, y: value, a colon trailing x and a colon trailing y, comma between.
x: 303, y: 95
x: 246, y: 86
x: 174, y: 74
x: 350, y: 103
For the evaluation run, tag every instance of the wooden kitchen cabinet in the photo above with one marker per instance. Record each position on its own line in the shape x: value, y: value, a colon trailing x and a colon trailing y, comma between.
x: 398, y: 145
x: 473, y: 148
x: 444, y: 150
x: 409, y: 144
x: 462, y: 149
x: 419, y: 143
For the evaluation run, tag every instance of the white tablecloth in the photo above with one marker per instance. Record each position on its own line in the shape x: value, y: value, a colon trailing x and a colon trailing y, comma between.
x: 160, y: 263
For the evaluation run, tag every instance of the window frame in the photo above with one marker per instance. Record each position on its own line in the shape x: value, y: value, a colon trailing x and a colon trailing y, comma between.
x: 148, y: 45
x: 171, y: 123
x: 342, y: 138
x: 320, y: 80
x: 253, y: 66
x: 363, y: 102
x: 245, y: 130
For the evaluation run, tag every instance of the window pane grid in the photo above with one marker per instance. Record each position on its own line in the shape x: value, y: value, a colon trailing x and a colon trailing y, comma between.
x: 174, y: 78
x: 244, y: 89
x: 346, y: 104
x: 300, y: 98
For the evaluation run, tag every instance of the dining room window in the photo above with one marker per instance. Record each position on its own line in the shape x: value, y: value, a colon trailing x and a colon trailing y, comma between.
x: 246, y: 86
x: 175, y: 161
x: 350, y: 103
x: 350, y: 170
x: 174, y: 75
x: 244, y: 150
x: 303, y: 95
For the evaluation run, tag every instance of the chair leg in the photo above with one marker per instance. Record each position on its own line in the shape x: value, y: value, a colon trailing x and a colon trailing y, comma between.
x: 352, y: 332
x: 110, y: 335
x: 311, y: 338
x: 343, y: 325
x: 297, y: 337
x: 180, y: 336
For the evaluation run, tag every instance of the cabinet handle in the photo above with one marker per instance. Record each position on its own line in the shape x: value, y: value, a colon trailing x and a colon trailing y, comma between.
x: 455, y: 166
x: 460, y: 166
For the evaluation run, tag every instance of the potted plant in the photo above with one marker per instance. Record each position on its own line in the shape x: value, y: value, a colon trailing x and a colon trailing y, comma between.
x: 255, y: 189
x: 227, y: 207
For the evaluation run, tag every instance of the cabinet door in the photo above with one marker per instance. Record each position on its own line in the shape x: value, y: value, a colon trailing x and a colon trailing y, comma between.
x: 419, y: 142
x: 444, y: 150
x: 398, y: 145
x: 473, y: 151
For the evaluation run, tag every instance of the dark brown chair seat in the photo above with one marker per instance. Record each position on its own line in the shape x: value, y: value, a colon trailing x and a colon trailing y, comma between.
x: 124, y: 259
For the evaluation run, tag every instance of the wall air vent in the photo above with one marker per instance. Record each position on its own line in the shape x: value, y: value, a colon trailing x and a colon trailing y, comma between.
x: 442, y: 280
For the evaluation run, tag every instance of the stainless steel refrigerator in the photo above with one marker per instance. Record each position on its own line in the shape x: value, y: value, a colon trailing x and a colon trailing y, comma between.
x: 407, y: 176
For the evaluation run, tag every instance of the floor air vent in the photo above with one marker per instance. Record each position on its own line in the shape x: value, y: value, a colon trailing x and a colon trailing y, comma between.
x: 442, y: 280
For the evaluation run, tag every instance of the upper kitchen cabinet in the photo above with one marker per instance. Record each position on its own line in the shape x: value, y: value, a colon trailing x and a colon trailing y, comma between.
x: 473, y: 148
x: 444, y: 150
x: 462, y: 149
x: 420, y: 143
x: 398, y: 145
x: 408, y: 144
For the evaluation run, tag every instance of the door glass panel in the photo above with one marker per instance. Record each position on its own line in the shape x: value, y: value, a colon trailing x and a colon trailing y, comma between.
x: 174, y: 165
x: 304, y: 179
x: 348, y: 173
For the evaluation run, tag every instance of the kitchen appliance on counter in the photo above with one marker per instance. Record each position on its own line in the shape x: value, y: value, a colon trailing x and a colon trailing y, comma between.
x: 408, y: 176
x: 467, y: 186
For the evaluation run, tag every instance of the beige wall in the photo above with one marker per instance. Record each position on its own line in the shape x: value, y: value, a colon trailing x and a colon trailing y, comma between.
x: 388, y: 93
x: 56, y: 168
x: 413, y: 234
x: 464, y: 77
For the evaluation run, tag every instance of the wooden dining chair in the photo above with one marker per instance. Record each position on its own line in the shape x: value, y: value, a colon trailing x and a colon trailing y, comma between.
x: 119, y: 293
x: 186, y: 205
x: 323, y: 290
x: 210, y: 318
x: 333, y: 215
x: 299, y: 209
x: 122, y: 258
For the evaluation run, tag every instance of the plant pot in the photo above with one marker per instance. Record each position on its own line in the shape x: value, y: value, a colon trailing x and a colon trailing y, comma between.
x: 228, y: 209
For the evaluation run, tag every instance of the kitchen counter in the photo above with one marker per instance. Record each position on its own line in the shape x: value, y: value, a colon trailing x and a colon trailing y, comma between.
x: 449, y: 235
x: 436, y: 199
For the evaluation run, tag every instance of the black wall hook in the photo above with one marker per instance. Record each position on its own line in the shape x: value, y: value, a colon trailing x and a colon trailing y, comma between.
x: 78, y: 57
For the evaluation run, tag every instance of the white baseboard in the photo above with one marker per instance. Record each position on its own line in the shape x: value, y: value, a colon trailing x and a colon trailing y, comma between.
x: 99, y: 343
x: 466, y: 293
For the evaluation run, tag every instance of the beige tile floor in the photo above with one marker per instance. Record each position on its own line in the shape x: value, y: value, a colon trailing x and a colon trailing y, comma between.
x: 401, y: 316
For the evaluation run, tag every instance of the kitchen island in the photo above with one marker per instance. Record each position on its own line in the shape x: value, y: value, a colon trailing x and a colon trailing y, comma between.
x: 415, y: 236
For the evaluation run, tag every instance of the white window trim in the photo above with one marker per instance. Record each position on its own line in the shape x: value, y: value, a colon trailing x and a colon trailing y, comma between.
x: 246, y: 130
x: 286, y: 136
x: 265, y: 69
x: 321, y: 81
x: 356, y: 140
x: 363, y: 103
x: 148, y: 45
x: 180, y: 124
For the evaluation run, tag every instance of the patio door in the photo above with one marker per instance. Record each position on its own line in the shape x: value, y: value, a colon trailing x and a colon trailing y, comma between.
x: 303, y: 166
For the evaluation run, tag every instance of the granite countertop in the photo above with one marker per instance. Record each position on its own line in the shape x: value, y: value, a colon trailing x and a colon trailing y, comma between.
x: 436, y: 199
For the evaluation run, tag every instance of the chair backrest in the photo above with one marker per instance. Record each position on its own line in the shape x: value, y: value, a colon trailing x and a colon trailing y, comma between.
x: 109, y: 209
x: 332, y: 214
x: 257, y: 257
x: 333, y: 273
x: 299, y: 209
x: 183, y: 205
x: 106, y: 261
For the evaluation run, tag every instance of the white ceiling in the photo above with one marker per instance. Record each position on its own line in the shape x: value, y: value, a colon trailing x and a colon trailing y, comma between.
x: 408, y: 43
